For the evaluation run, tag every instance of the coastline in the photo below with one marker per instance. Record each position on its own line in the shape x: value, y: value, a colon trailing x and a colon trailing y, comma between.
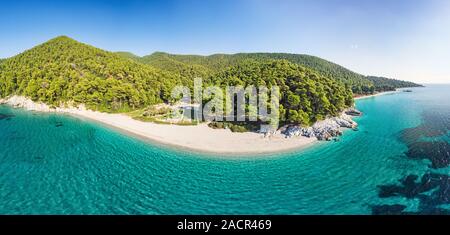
x: 377, y: 94
x: 199, y: 138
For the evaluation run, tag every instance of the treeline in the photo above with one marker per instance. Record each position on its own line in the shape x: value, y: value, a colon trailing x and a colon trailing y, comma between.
x: 389, y: 84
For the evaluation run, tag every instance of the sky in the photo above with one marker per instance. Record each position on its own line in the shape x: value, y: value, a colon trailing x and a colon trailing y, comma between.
x: 403, y: 39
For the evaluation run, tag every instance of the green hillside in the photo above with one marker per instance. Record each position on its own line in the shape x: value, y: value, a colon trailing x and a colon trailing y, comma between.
x: 389, y: 84
x: 165, y: 61
x: 360, y: 84
x: 127, y: 55
x: 306, y: 96
x: 63, y: 70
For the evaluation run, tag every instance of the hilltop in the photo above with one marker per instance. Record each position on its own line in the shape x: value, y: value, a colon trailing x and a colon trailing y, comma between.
x: 63, y: 70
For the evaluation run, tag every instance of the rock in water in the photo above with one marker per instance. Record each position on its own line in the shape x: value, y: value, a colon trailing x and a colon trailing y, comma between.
x: 322, y: 130
x: 353, y: 112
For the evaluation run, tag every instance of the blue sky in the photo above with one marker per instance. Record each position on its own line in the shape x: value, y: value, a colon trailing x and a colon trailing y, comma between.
x: 405, y: 39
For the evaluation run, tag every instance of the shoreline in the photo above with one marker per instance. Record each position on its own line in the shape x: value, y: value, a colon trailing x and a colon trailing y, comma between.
x: 377, y: 94
x: 255, y: 138
x: 199, y: 138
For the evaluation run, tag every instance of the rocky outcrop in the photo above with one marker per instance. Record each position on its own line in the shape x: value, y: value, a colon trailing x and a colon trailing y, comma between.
x: 322, y: 130
x: 353, y: 112
x: 28, y: 104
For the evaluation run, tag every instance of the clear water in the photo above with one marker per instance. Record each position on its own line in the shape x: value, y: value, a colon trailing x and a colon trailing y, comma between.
x: 57, y: 164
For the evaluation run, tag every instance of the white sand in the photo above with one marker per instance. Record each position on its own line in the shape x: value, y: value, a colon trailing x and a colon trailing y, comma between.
x: 374, y: 95
x: 199, y: 138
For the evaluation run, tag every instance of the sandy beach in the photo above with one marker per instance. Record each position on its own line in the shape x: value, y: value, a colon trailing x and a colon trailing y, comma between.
x: 374, y: 95
x: 197, y: 138
x: 200, y: 137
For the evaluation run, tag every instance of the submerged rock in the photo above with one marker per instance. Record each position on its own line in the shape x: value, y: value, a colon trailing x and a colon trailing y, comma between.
x: 432, y: 191
x: 6, y: 116
x: 396, y: 209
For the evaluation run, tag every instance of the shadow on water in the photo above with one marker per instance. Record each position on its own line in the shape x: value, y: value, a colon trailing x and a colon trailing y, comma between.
x: 433, y: 189
x: 6, y: 116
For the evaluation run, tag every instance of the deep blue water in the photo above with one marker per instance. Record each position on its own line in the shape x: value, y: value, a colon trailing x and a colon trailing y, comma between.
x: 397, y: 162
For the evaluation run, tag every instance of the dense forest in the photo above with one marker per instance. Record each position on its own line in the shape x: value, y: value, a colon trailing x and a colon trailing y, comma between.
x: 166, y: 62
x: 359, y: 84
x: 305, y: 95
x: 63, y: 70
x: 389, y: 84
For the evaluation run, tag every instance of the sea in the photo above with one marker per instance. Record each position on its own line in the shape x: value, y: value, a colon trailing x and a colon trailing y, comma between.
x: 396, y: 162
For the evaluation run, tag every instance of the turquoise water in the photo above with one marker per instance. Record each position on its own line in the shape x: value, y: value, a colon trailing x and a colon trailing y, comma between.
x: 57, y: 164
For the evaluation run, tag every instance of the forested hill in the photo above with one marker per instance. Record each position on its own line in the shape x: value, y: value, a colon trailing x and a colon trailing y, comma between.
x: 127, y: 55
x: 386, y: 84
x: 360, y: 84
x: 220, y: 61
x: 63, y: 70
x: 186, y: 68
x: 306, y: 96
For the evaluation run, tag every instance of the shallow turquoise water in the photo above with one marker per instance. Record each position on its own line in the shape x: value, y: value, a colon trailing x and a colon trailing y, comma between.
x: 57, y: 164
